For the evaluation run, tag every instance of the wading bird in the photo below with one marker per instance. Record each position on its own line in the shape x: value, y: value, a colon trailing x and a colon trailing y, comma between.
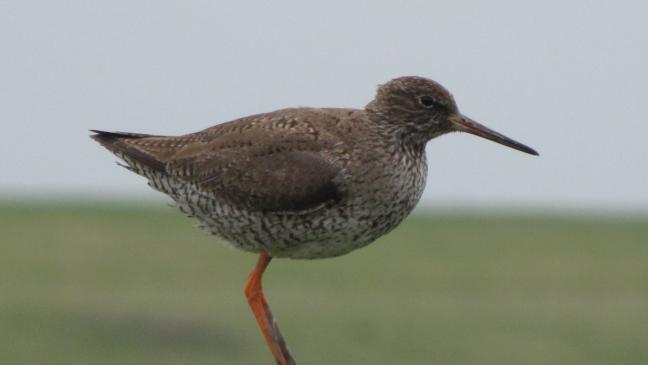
x: 302, y: 183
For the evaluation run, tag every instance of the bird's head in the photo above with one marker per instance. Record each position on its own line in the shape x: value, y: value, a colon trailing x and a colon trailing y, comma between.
x: 420, y: 109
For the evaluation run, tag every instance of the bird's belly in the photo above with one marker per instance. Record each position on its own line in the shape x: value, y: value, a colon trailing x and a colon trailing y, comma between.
x: 329, y: 231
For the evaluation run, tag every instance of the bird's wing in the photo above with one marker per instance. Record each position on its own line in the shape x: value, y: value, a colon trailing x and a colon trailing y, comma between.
x: 279, y: 161
x: 261, y: 169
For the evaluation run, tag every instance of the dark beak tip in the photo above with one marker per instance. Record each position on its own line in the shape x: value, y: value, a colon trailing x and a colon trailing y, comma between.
x: 531, y: 151
x: 465, y: 124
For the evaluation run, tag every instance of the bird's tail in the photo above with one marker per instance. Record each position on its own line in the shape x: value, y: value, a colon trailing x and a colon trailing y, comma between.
x: 134, y: 148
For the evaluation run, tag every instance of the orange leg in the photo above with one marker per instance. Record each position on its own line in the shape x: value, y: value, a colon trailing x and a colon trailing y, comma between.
x: 269, y: 328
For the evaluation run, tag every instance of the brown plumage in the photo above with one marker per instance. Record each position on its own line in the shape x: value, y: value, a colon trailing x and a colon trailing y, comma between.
x: 303, y: 182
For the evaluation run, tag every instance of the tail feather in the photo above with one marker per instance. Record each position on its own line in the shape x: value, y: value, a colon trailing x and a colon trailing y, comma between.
x: 120, y: 134
x: 124, y: 146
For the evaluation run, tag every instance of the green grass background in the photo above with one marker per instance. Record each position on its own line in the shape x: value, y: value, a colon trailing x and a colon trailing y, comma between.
x: 116, y: 284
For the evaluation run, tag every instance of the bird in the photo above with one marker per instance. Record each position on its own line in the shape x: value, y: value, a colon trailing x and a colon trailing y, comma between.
x: 302, y: 183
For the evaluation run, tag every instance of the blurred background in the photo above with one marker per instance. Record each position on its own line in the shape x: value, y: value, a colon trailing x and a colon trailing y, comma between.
x: 509, y: 259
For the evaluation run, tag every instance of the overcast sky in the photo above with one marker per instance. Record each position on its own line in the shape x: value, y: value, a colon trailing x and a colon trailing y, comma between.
x: 569, y: 78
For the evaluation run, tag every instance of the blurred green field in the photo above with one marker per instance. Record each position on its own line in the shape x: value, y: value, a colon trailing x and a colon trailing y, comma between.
x: 111, y: 284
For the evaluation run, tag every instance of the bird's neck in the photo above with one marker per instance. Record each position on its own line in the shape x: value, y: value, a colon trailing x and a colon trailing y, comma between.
x: 399, y: 139
x: 400, y: 143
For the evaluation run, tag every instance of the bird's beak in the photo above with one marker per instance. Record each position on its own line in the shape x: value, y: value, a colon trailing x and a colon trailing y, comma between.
x: 462, y: 123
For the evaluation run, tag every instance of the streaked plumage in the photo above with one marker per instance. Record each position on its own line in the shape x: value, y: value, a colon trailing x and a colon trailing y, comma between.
x: 291, y: 182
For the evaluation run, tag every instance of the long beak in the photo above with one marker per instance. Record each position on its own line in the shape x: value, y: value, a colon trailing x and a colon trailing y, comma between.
x: 464, y: 124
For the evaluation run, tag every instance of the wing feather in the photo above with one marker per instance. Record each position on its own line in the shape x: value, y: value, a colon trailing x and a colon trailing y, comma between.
x: 288, y: 174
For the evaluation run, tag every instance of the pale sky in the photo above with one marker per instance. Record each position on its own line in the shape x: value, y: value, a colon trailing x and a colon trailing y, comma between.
x: 568, y: 78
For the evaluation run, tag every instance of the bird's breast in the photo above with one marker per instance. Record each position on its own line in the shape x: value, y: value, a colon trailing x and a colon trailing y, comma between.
x: 384, y: 192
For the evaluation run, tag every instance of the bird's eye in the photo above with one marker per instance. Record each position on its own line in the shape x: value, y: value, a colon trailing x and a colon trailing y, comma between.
x: 427, y: 101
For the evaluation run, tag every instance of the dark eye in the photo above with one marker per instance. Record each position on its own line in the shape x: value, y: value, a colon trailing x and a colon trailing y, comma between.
x: 427, y: 101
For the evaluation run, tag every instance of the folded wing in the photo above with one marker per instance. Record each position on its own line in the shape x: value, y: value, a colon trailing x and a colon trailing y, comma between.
x: 255, y: 170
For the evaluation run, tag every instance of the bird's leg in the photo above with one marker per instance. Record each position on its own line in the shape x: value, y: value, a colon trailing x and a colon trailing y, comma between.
x: 269, y: 328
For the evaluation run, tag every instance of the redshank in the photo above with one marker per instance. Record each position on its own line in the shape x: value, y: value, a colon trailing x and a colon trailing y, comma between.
x: 302, y: 183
